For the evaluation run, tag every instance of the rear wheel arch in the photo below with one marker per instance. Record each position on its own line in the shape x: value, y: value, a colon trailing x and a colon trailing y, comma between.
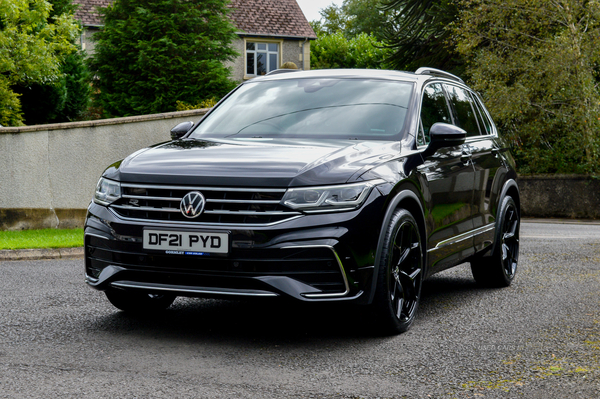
x: 511, y: 189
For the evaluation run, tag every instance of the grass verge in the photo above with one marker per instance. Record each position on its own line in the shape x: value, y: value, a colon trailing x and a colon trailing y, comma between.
x: 46, y: 238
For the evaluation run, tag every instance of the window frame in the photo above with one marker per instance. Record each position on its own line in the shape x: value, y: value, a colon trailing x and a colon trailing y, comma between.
x: 485, y: 115
x: 257, y: 41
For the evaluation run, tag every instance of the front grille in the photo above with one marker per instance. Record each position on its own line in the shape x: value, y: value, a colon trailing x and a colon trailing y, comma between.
x: 249, y: 206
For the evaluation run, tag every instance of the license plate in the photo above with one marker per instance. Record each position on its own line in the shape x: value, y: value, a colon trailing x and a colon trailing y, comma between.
x: 187, y: 241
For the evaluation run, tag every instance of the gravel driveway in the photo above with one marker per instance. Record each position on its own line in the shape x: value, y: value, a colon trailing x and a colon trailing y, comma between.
x: 538, y: 338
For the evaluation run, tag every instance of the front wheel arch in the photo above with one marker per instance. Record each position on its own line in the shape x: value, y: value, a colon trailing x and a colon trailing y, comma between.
x: 406, y: 199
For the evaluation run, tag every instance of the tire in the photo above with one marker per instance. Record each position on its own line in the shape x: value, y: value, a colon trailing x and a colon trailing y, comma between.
x: 139, y: 302
x: 499, y: 269
x: 400, y: 275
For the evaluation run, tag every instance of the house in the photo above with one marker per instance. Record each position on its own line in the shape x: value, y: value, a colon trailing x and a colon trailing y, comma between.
x: 270, y: 32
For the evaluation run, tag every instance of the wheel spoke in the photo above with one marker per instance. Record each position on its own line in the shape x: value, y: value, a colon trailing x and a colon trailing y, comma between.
x: 404, y: 256
x: 399, y: 307
x: 504, y: 252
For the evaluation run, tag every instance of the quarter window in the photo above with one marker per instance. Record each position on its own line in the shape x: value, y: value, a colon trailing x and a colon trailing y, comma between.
x: 485, y: 120
x: 261, y: 58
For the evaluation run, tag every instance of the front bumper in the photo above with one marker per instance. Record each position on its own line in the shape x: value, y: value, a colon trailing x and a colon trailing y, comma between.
x: 326, y: 257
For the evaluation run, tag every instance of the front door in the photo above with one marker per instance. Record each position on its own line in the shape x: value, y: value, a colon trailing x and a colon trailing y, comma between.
x: 447, y: 178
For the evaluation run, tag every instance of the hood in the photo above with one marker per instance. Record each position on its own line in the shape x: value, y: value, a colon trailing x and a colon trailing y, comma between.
x: 252, y: 163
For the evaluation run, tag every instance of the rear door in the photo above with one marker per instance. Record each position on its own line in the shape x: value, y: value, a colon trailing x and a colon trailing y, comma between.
x: 480, y: 144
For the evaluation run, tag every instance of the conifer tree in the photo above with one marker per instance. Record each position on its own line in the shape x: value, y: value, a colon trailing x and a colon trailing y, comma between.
x: 152, y: 53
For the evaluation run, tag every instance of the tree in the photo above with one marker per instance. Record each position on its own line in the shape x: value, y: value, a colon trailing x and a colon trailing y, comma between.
x: 535, y: 62
x: 333, y: 20
x: 336, y: 51
x: 354, y: 17
x: 368, y: 16
x: 64, y: 99
x: 421, y: 34
x: 153, y: 53
x: 32, y: 46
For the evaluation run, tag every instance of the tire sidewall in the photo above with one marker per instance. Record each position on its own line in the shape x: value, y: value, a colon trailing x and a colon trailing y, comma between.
x: 382, y: 302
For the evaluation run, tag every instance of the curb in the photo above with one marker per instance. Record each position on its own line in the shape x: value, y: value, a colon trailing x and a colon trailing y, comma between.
x: 561, y: 221
x: 36, y: 254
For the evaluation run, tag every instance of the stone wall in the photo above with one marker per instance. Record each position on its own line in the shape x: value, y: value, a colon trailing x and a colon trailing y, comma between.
x: 48, y: 172
x: 560, y: 196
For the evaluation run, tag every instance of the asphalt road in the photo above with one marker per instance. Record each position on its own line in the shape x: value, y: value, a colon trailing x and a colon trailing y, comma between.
x: 539, y: 338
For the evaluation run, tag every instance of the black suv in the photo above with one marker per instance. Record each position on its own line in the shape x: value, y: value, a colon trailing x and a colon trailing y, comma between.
x: 327, y: 185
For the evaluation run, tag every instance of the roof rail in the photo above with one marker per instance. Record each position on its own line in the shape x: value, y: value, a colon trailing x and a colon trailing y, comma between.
x: 437, y: 72
x: 282, y: 70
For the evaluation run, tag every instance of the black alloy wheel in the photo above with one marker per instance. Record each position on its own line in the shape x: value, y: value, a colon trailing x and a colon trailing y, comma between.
x: 400, y: 274
x: 499, y: 270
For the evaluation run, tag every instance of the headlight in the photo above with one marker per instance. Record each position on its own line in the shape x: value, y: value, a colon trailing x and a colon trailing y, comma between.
x: 329, y: 198
x: 107, y: 191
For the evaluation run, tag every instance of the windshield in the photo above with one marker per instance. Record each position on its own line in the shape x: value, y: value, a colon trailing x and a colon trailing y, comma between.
x: 362, y: 109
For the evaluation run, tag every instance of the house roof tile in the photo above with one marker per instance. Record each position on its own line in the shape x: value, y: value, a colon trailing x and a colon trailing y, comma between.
x: 271, y: 17
x: 252, y: 17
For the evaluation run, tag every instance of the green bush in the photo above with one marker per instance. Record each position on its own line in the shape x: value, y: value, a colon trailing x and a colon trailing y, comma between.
x: 63, y: 100
x: 181, y: 106
x: 336, y: 51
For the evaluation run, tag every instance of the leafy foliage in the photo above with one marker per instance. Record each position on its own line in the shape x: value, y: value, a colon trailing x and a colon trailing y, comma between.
x: 63, y: 100
x: 421, y: 34
x: 33, y: 43
x: 336, y: 51
x: 208, y: 103
x: 354, y: 17
x: 368, y: 16
x: 535, y: 62
x: 153, y: 53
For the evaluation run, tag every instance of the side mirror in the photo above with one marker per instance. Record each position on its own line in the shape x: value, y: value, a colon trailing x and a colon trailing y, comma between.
x: 444, y: 135
x: 180, y: 130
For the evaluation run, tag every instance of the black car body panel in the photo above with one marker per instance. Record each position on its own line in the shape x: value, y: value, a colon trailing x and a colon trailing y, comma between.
x: 253, y: 182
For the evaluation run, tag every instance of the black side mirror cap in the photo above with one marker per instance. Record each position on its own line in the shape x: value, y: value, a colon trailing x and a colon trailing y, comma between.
x: 444, y: 135
x: 180, y: 130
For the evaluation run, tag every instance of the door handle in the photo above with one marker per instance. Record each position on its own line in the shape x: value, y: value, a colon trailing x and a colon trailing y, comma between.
x: 466, y: 158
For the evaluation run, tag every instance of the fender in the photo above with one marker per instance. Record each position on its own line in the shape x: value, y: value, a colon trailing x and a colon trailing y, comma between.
x: 511, y: 183
x: 404, y: 194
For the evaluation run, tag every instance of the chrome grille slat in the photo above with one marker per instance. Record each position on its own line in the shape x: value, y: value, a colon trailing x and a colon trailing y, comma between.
x: 192, y: 188
x: 152, y: 198
x: 226, y: 201
x: 146, y: 208
x: 252, y: 213
x: 224, y: 205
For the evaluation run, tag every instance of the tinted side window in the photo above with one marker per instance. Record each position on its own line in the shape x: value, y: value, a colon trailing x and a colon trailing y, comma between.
x: 434, y: 108
x: 463, y: 110
x: 484, y: 117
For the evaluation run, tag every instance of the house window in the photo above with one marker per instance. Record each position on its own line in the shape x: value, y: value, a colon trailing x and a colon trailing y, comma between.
x: 261, y: 58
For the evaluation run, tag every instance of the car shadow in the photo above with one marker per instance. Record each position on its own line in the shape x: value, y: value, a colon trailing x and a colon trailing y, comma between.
x: 280, y: 321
